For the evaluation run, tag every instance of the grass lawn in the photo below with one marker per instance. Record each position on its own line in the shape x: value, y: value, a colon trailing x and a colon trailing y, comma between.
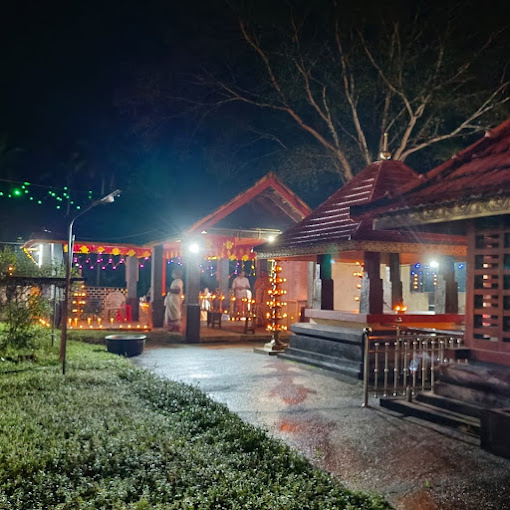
x: 109, y: 436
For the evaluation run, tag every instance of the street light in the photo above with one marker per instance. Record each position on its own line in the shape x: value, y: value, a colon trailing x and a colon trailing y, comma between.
x: 108, y: 199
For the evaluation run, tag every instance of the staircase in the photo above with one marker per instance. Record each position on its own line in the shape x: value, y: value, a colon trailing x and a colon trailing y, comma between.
x: 464, y: 397
x: 445, y: 411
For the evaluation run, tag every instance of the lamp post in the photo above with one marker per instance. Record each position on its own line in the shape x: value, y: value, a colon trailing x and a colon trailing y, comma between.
x: 108, y: 199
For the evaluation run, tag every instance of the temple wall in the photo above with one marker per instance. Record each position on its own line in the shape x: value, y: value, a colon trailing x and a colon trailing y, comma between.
x: 345, y: 286
x: 296, y: 272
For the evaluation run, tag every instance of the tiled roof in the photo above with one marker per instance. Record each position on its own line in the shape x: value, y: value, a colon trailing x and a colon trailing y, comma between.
x: 331, y: 222
x: 481, y: 171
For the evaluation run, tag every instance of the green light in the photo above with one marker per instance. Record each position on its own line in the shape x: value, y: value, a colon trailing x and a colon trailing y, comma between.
x: 78, y: 207
x: 1, y: 193
x: 65, y: 187
x: 39, y: 202
x: 26, y: 191
x: 58, y: 207
x: 31, y: 198
x: 72, y: 202
x: 23, y: 187
x: 26, y: 183
x: 16, y: 192
x: 9, y: 196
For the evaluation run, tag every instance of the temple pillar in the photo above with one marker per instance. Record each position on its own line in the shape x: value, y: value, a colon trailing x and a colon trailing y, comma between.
x: 446, y: 298
x: 327, y: 296
x: 223, y: 276
x: 192, y: 334
x: 395, y: 281
x: 313, y: 298
x: 132, y: 285
x: 157, y: 289
x: 371, y: 295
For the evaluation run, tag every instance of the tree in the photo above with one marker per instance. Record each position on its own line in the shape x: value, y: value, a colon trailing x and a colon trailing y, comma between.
x: 344, y: 84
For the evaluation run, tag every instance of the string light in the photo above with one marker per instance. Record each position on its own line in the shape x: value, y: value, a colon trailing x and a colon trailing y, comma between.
x: 40, y: 193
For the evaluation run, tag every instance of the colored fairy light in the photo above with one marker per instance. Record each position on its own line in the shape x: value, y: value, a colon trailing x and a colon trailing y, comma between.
x: 16, y: 192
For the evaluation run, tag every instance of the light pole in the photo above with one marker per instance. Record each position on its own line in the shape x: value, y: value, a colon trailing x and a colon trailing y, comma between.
x: 108, y: 199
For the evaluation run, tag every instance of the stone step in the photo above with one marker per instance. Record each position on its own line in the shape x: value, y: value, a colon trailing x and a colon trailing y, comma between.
x: 466, y: 393
x: 466, y: 424
x: 343, y: 366
x: 451, y: 404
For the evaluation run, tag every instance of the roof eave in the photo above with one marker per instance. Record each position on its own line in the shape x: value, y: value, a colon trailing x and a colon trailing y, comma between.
x: 444, y: 212
x: 376, y: 246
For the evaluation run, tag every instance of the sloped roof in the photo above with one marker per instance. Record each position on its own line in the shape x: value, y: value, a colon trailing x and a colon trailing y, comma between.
x: 269, y: 192
x: 475, y: 182
x: 331, y: 225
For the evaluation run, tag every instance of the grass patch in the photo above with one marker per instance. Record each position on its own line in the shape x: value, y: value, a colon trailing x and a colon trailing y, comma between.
x: 109, y: 436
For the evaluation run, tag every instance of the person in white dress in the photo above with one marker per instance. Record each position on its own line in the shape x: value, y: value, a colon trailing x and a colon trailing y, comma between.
x: 241, y: 288
x: 173, y: 302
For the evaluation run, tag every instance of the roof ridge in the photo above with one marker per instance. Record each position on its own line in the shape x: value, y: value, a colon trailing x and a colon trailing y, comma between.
x: 380, y: 168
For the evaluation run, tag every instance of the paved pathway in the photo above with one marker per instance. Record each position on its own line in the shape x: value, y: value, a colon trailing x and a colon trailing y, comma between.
x: 415, y: 465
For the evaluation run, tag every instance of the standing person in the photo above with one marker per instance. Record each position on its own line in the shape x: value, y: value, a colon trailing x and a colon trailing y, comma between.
x: 260, y: 289
x: 241, y: 288
x: 173, y: 302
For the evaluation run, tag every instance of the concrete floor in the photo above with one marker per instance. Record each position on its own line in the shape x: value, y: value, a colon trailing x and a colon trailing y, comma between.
x: 414, y: 464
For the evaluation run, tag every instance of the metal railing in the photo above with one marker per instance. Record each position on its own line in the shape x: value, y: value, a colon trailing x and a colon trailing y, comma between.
x: 406, y: 362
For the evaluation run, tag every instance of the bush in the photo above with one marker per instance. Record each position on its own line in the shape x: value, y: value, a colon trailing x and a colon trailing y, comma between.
x: 21, y: 304
x: 112, y: 437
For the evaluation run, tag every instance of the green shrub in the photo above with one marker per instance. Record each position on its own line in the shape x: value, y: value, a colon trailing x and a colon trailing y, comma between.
x: 108, y: 436
x: 22, y: 304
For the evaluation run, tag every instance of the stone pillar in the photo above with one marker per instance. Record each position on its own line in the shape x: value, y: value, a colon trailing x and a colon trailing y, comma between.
x: 395, y: 281
x: 327, y: 297
x: 313, y: 298
x: 157, y: 290
x: 222, y: 270
x: 132, y: 285
x: 192, y: 335
x: 446, y: 298
x: 371, y: 296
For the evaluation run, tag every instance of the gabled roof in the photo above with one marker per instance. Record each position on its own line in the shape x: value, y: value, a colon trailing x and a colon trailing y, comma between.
x: 269, y: 192
x: 331, y: 227
x: 473, y: 183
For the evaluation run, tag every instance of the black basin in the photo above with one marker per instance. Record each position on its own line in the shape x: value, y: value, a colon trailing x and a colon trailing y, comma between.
x: 126, y: 345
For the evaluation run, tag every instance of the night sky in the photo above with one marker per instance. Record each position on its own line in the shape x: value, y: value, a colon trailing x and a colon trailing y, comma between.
x: 90, y: 99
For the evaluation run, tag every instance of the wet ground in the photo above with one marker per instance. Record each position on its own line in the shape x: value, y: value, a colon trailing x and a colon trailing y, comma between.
x: 415, y: 465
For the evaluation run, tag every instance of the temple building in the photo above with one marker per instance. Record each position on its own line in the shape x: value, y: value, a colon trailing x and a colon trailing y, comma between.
x: 211, y: 252
x: 360, y: 277
x: 470, y: 195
